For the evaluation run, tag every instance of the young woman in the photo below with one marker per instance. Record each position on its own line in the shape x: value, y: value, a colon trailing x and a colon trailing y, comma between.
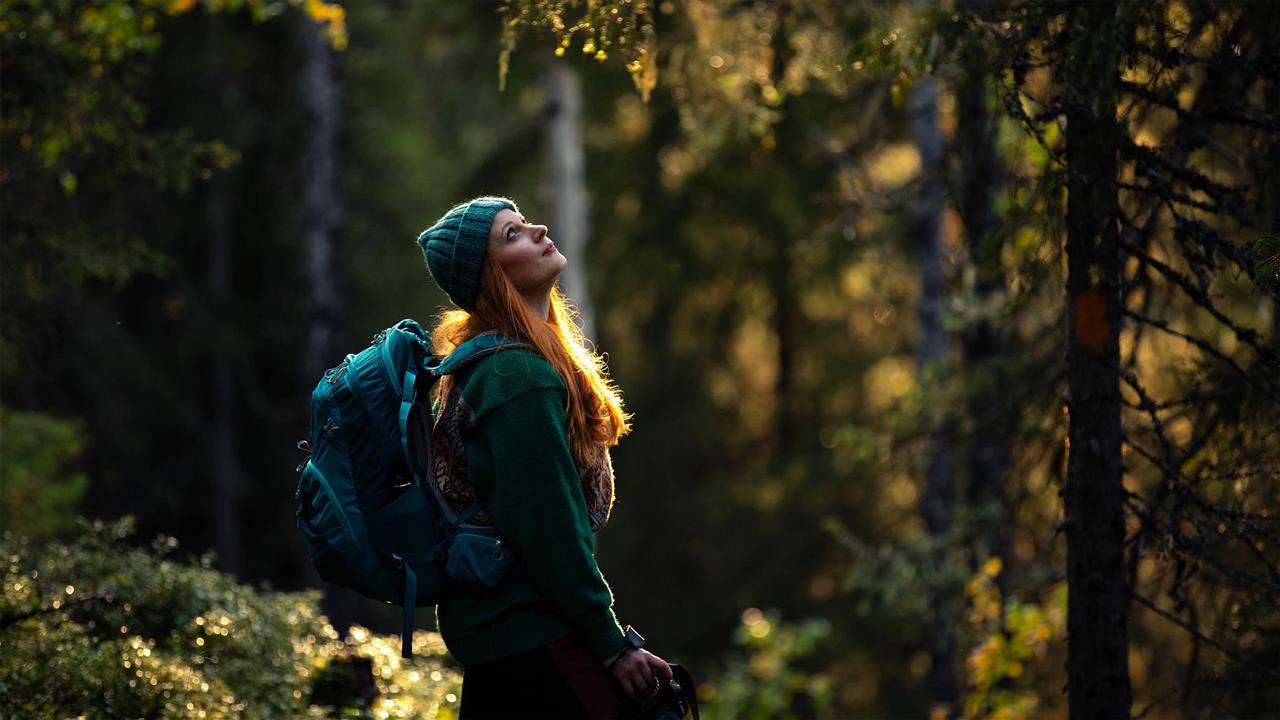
x: 527, y: 431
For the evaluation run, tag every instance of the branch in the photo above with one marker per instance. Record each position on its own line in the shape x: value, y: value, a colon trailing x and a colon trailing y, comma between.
x: 1163, y: 192
x: 1169, y: 56
x: 1245, y: 335
x: 1149, y: 161
x: 1194, y: 631
x: 1268, y: 123
x: 1202, y: 344
x: 1148, y: 405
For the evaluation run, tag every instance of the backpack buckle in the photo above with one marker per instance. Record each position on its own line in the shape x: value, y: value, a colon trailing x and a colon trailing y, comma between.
x: 330, y: 427
x: 305, y: 447
x: 334, y: 374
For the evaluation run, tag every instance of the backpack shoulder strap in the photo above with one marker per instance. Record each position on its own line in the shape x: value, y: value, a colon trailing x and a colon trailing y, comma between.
x: 474, y: 349
x: 462, y: 356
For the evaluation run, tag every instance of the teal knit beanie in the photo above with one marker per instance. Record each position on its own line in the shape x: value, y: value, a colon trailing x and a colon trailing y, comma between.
x: 454, y: 247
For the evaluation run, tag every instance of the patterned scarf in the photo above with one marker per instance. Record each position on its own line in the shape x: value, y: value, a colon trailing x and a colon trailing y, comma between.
x: 448, y: 449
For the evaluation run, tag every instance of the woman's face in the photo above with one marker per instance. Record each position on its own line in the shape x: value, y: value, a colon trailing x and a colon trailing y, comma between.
x: 524, y: 252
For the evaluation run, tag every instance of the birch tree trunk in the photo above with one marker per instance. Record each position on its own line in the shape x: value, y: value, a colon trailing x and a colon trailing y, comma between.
x: 569, y: 214
x: 323, y: 218
x: 937, y: 500
x: 323, y: 209
x: 1098, y: 593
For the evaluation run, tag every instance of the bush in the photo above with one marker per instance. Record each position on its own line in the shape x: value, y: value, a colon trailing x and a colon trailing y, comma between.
x: 39, y: 486
x: 766, y: 675
x: 95, y: 627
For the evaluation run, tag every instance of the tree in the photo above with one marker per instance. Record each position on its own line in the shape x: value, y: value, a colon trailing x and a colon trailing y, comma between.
x: 570, y: 201
x: 1152, y: 211
x: 1098, y: 597
x: 1155, y: 200
x: 938, y: 499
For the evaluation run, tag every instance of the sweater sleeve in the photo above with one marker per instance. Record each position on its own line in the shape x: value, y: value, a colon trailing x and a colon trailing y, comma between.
x: 538, y: 505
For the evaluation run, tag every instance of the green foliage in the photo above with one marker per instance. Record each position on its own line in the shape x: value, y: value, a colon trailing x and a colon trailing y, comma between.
x: 768, y: 675
x: 626, y: 25
x: 908, y: 581
x: 1266, y: 264
x: 39, y: 487
x: 76, y: 132
x: 73, y: 130
x: 1013, y: 648
x: 753, y: 283
x: 96, y: 626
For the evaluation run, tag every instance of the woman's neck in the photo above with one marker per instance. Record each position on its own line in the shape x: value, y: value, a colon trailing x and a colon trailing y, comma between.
x: 539, y: 304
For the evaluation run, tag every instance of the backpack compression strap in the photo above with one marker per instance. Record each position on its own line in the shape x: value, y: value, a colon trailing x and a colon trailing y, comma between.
x: 407, y: 607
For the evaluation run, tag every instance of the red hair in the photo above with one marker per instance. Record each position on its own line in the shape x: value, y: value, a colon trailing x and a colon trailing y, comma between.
x: 595, y: 409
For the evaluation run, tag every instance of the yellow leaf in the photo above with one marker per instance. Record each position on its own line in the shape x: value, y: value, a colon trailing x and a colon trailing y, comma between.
x: 177, y: 7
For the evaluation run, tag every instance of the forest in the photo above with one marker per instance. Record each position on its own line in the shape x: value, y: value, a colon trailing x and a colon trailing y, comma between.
x: 949, y: 330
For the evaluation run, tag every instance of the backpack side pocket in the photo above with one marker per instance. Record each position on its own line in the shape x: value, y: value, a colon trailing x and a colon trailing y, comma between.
x: 478, y: 559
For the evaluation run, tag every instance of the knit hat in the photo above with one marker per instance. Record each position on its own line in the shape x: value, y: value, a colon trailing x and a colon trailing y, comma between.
x: 454, y: 247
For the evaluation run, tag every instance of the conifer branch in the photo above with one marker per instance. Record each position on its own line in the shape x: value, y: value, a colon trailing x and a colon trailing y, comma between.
x: 1267, y: 123
x: 1247, y: 336
x: 1199, y: 343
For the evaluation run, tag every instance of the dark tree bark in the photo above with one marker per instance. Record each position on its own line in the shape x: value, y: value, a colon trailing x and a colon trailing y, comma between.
x: 225, y: 468
x: 1098, y: 594
x: 1272, y: 170
x: 225, y: 483
x: 938, y: 499
x: 324, y: 215
x: 984, y: 343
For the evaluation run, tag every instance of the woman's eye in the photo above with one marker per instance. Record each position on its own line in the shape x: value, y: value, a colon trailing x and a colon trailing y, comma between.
x: 511, y: 231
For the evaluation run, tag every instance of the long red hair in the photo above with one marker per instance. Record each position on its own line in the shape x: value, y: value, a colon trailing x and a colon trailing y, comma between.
x: 595, y: 411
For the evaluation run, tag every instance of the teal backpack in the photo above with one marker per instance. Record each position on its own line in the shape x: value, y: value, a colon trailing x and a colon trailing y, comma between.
x: 369, y: 510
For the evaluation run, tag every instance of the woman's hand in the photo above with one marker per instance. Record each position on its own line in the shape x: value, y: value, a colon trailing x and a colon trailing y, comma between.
x: 634, y: 670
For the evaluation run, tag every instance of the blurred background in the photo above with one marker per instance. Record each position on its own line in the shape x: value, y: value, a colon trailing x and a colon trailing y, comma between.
x: 824, y: 247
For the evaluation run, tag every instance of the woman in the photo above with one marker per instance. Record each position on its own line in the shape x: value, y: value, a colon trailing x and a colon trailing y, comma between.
x: 527, y: 431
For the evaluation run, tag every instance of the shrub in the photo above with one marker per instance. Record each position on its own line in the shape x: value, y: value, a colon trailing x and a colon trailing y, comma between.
x: 96, y: 627
x: 766, y: 675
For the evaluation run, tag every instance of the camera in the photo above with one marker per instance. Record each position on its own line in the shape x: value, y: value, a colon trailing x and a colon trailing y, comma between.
x: 666, y: 699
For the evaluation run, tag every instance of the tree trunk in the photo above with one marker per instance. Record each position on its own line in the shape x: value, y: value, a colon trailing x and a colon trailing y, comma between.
x: 323, y: 217
x: 225, y: 468
x: 784, y: 241
x: 1098, y: 594
x: 224, y: 481
x: 984, y: 343
x: 569, y: 218
x: 1272, y: 169
x: 938, y: 499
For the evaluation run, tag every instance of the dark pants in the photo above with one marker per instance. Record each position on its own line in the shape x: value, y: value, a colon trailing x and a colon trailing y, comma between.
x: 557, y: 680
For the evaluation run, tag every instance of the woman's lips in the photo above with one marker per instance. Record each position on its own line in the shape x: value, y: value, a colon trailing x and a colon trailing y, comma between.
x: 551, y: 247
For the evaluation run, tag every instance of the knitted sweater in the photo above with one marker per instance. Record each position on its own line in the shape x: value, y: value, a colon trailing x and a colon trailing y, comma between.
x: 519, y: 463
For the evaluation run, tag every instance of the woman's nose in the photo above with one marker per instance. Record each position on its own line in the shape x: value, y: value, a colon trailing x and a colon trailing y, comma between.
x: 540, y: 231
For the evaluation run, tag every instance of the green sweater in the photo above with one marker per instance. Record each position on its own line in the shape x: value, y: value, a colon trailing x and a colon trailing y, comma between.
x: 519, y: 463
